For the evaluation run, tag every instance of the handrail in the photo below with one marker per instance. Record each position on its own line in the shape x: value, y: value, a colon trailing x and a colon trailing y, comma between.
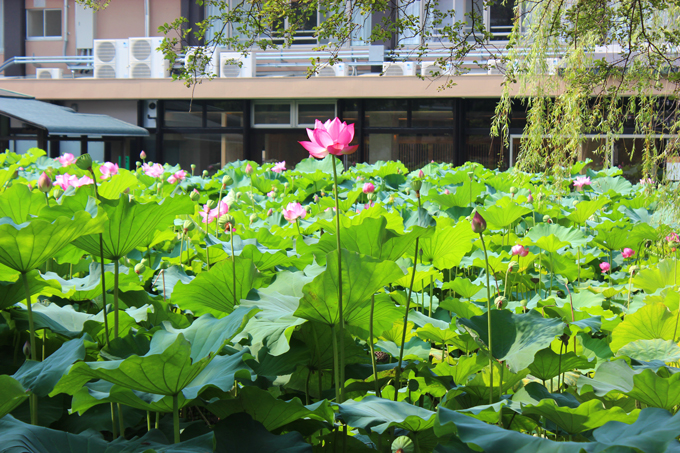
x: 73, y: 59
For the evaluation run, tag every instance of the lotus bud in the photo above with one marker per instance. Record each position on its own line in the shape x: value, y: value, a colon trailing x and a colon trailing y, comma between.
x: 446, y: 192
x: 44, y: 183
x: 249, y: 169
x: 84, y: 162
x: 225, y: 221
x: 188, y: 226
x: 140, y: 268
x: 478, y: 223
x: 194, y: 195
x: 285, y: 186
x: 316, y: 198
x: 416, y: 184
x: 500, y: 302
x: 421, y: 174
x: 253, y: 218
x: 164, y: 265
x: 564, y: 338
x: 530, y: 198
x: 270, y: 212
x: 227, y: 181
x: 30, y: 187
x: 142, y: 156
x: 212, y: 204
x: 27, y: 349
x: 205, y: 174
x: 547, y: 219
x: 513, y: 190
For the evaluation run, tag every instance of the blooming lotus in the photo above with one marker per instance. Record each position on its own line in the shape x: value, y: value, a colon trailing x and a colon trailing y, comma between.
x: 604, y: 266
x: 208, y: 215
x: 520, y: 250
x: 331, y: 137
x: 673, y: 237
x: 627, y: 253
x: 294, y: 211
x: 66, y: 160
x: 66, y: 181
x: 108, y: 169
x: 646, y: 181
x: 279, y: 167
x: 581, y: 181
x: 153, y: 170
x: 176, y: 177
x: 368, y: 188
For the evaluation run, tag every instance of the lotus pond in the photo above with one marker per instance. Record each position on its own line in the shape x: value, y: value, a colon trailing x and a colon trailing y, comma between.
x: 453, y: 310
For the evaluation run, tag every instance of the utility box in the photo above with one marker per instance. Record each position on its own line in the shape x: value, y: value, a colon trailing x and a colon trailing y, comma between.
x: 84, y: 27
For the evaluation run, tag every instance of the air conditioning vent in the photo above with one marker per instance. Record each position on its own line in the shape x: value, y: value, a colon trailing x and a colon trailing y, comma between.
x: 105, y: 51
x: 208, y: 64
x: 431, y: 69
x: 105, y: 72
x: 48, y: 73
x: 405, y: 68
x: 140, y: 49
x: 230, y: 68
x: 111, y: 57
x: 140, y: 71
x: 337, y: 70
x: 146, y: 61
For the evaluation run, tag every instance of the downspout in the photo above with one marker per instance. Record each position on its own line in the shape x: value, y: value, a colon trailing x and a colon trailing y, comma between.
x: 146, y: 18
x: 65, y: 31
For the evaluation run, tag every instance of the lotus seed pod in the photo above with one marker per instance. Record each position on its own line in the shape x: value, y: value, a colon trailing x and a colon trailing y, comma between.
x: 188, y: 225
x: 416, y: 184
x: 193, y: 167
x: 194, y: 195
x: 84, y: 162
x: 225, y: 220
x: 212, y: 204
x: 372, y: 196
x: 500, y: 302
x: 513, y: 190
x: 253, y: 218
x: 547, y: 219
x: 205, y: 174
x: 227, y: 180
x: 403, y: 444
x: 633, y: 270
x: 138, y: 164
x: 44, y: 183
x: 57, y: 191
x: 523, y: 303
x: 140, y: 268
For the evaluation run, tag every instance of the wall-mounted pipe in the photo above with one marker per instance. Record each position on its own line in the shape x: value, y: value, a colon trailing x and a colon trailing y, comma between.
x: 147, y: 18
x: 65, y: 30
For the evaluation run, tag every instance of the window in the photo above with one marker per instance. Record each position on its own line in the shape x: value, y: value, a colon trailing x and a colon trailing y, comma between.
x: 43, y: 23
x: 289, y: 114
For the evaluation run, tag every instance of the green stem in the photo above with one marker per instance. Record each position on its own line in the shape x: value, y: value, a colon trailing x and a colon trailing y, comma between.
x: 403, y: 332
x: 297, y: 224
x: 488, y: 317
x: 336, y: 366
x: 340, y: 314
x: 114, y: 425
x: 121, y: 421
x: 233, y: 264
x: 431, y: 293
x: 33, y: 403
x: 115, y: 297
x: 370, y: 346
x: 219, y: 205
x: 207, y: 251
x: 101, y: 256
x: 175, y: 417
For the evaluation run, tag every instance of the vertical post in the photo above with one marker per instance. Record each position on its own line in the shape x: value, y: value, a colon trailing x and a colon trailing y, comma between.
x: 247, y: 151
x: 83, y: 144
x: 160, y: 121
x: 223, y: 150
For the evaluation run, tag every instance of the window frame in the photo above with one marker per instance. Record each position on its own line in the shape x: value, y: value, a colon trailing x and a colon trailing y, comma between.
x: 43, y: 37
x: 294, y: 124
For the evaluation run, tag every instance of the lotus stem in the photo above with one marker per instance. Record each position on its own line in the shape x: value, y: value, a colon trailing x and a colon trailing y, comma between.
x: 233, y: 263
x: 175, y: 417
x: 397, y: 374
x: 101, y: 262
x: 116, y: 265
x: 148, y: 421
x: 488, y: 317
x: 114, y: 426
x: 340, y: 315
x: 371, y: 348
x: 336, y: 365
x: 219, y: 205
x: 33, y: 398
x: 297, y: 224
x: 121, y: 421
x: 431, y: 293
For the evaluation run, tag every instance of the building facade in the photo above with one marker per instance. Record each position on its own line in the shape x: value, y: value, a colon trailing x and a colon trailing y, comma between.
x: 106, y: 62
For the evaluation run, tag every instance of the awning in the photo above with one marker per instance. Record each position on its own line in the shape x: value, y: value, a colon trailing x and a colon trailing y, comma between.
x: 59, y: 120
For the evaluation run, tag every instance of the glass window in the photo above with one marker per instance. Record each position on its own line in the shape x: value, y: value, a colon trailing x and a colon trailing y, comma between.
x: 183, y: 114
x: 208, y: 151
x: 432, y: 113
x: 386, y: 113
x: 350, y: 111
x: 308, y: 113
x: 277, y: 146
x: 224, y: 113
x: 43, y: 23
x: 501, y: 15
x: 479, y: 112
x: 488, y: 151
x: 272, y: 114
x: 413, y: 150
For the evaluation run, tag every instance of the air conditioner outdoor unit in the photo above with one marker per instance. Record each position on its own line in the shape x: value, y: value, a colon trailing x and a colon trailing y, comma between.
x: 208, y: 64
x: 496, y: 67
x: 430, y: 68
x: 111, y: 59
x: 402, y: 68
x: 229, y: 67
x: 48, y: 73
x: 337, y: 70
x: 554, y: 65
x: 146, y: 61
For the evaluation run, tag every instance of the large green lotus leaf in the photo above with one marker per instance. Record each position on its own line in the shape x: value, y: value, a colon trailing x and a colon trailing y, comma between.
x: 13, y: 292
x: 479, y: 386
x: 656, y: 391
x: 41, y: 377
x: 325, y: 165
x: 130, y: 223
x: 163, y: 372
x: 362, y: 276
x: 19, y: 203
x: 424, y: 274
x: 612, y: 186
x: 21, y: 437
x: 616, y: 375
x: 275, y: 333
x: 220, y: 373
x: 616, y: 238
x: 28, y: 245
x: 588, y: 415
x: 434, y: 334
x: 516, y: 338
x: 655, y: 430
x: 117, y: 184
x: 213, y: 291
x: 547, y: 364
x: 272, y: 412
x: 461, y: 196
x: 263, y: 257
x: 585, y: 209
x: 552, y: 237
x: 89, y: 287
x: 8, y: 173
x: 463, y: 287
x: 533, y: 393
x: 101, y: 392
x: 12, y: 395
x: 648, y: 350
x: 653, y: 278
x: 503, y: 214
x: 648, y: 323
x: 240, y: 433
x: 451, y: 242
x: 464, y: 367
x: 371, y: 237
x: 378, y: 415
x: 460, y: 308
x: 414, y: 348
x: 561, y: 265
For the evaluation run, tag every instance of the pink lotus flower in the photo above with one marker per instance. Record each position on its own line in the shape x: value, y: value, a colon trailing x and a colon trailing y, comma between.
x: 66, y: 181
x: 627, y: 253
x: 66, y: 160
x: 421, y: 174
x: 673, y: 237
x: 331, y: 137
x: 645, y: 181
x: 271, y: 194
x: 582, y: 181
x: 520, y: 250
x: 294, y: 211
x: 208, y: 215
x: 446, y: 191
x: 530, y: 199
x: 142, y: 155
x: 108, y: 169
x: 154, y: 170
x: 279, y: 167
x: 604, y: 266
x: 177, y: 177
x: 368, y: 188
x: 83, y: 181
x: 249, y: 169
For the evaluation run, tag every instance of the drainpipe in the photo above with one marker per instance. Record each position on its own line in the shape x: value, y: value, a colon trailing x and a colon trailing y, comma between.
x: 65, y: 31
x: 146, y: 18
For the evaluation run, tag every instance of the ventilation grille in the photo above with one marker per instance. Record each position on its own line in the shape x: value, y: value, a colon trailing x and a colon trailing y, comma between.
x: 140, y: 71
x: 231, y: 70
x: 105, y: 52
x: 44, y: 75
x: 140, y: 50
x: 326, y: 71
x: 105, y: 72
x: 394, y: 70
